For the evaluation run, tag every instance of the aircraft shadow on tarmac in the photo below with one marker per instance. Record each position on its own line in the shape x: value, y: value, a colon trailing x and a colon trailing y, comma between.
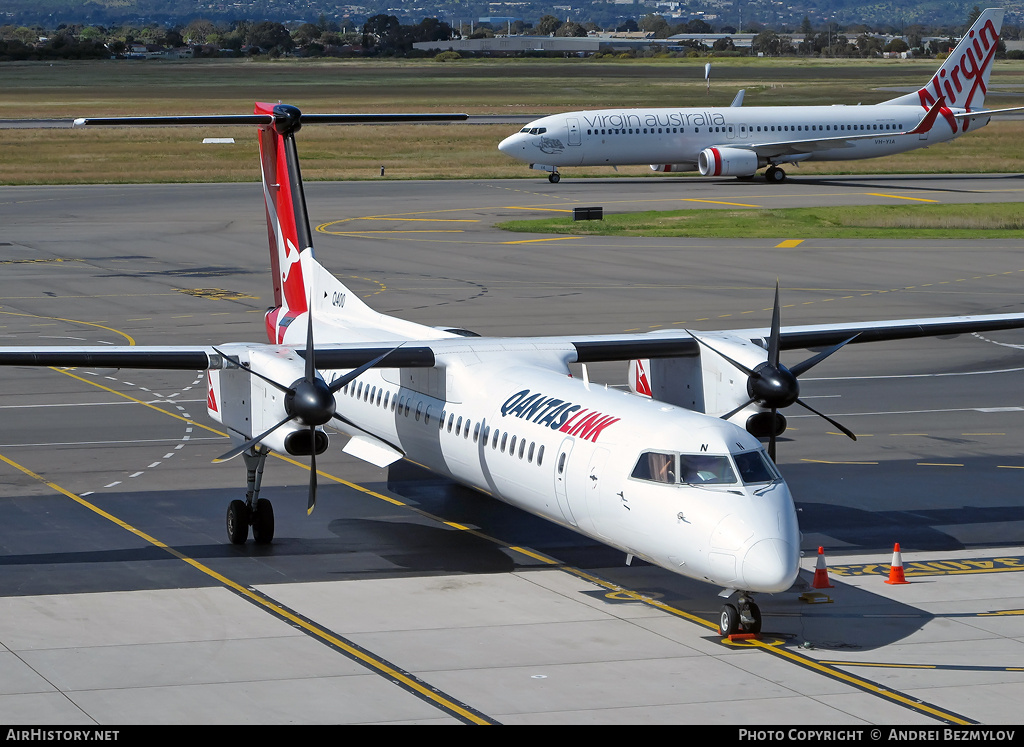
x: 357, y: 536
x: 925, y: 508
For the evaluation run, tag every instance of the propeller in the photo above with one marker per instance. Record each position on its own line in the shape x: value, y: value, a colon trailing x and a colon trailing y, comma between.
x: 309, y: 401
x: 774, y: 386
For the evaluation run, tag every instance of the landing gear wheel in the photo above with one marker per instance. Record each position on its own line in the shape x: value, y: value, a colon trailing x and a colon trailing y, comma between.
x: 729, y: 621
x: 238, y: 522
x: 775, y: 175
x: 263, y: 522
x: 554, y: 177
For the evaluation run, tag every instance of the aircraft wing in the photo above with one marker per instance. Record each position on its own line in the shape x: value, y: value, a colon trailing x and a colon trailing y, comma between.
x: 184, y: 358
x: 671, y: 344
x: 810, y: 145
x: 581, y: 349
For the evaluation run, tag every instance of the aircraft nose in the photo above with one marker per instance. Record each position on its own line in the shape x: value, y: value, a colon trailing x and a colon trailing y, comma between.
x: 771, y: 565
x: 507, y: 145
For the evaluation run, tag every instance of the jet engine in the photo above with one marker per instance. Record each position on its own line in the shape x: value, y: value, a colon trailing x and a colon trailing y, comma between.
x: 673, y: 167
x: 727, y: 162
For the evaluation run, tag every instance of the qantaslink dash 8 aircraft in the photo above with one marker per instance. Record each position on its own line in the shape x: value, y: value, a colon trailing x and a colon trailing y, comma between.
x: 672, y: 472
x: 737, y: 141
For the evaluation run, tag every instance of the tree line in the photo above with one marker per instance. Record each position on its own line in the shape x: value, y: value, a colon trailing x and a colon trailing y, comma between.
x: 385, y: 35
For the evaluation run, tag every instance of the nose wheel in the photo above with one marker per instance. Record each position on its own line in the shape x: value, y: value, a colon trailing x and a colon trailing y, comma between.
x: 554, y: 177
x: 742, y: 617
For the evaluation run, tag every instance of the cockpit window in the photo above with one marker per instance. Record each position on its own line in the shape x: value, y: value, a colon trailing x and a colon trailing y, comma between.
x: 755, y: 467
x: 534, y: 130
x: 705, y: 469
x: 656, y: 466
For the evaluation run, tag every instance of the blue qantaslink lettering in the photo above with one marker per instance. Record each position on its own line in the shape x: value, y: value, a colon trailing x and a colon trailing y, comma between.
x: 536, y: 408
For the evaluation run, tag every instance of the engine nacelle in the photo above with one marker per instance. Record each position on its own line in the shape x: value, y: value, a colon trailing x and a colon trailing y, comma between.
x: 727, y: 162
x: 707, y: 382
x: 673, y: 167
x: 247, y: 406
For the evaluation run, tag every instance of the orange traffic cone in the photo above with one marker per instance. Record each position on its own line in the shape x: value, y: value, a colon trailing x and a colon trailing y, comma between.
x: 821, y: 572
x: 896, y: 568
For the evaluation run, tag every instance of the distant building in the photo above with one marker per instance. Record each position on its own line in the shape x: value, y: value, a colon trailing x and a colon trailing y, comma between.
x: 513, y: 45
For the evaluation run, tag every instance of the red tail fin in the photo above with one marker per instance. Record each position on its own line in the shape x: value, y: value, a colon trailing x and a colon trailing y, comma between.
x: 287, y: 225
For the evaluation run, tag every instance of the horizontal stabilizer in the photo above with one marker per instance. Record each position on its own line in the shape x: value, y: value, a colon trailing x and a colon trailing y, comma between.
x: 267, y: 119
x: 984, y: 113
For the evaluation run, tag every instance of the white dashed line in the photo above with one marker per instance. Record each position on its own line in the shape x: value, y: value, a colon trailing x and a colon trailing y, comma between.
x: 159, y: 398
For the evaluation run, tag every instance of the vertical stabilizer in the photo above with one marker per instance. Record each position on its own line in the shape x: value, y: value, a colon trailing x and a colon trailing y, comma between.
x: 287, y: 223
x: 963, y: 77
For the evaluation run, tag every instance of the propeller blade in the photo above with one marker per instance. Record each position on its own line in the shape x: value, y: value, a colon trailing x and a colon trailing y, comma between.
x: 311, y: 503
x: 355, y: 372
x: 238, y: 363
x: 845, y: 430
x: 250, y: 443
x: 736, y: 410
x: 771, y: 438
x: 773, y: 341
x: 310, y: 350
x: 738, y: 365
x: 810, y: 363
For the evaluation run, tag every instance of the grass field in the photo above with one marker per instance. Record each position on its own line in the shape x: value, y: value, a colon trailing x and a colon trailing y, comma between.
x: 519, y: 87
x: 891, y: 222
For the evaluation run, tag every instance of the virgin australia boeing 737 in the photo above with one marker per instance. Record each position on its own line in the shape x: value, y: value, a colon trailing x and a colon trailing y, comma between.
x: 737, y: 141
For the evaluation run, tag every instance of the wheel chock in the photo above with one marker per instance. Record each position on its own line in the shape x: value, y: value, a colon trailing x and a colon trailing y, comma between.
x: 815, y: 597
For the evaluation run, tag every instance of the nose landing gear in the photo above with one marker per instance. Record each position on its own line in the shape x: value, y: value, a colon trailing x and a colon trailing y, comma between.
x: 742, y: 617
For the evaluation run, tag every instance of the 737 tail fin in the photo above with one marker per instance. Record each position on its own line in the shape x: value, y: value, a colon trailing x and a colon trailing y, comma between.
x: 962, y: 78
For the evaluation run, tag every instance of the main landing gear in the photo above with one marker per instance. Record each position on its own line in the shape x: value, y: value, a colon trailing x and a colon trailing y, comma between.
x: 742, y: 617
x: 775, y: 175
x: 253, y: 511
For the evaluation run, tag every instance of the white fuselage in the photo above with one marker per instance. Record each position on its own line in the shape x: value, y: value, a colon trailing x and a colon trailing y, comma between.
x: 678, y: 135
x: 515, y: 425
x: 553, y: 446
x: 689, y: 492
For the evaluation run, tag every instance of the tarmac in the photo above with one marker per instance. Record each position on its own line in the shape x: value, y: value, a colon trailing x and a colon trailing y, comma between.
x: 405, y: 599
